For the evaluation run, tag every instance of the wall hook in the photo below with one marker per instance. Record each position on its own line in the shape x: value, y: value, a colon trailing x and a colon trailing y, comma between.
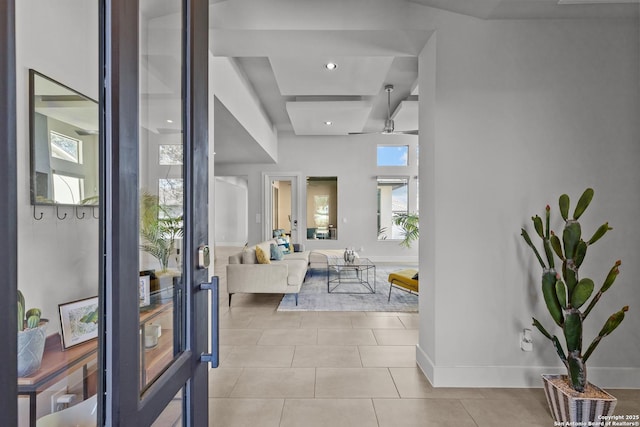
x: 93, y: 214
x: 77, y: 216
x: 34, y: 214
x: 58, y: 213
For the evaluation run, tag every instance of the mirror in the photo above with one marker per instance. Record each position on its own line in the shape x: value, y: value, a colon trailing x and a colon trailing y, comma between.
x: 64, y: 144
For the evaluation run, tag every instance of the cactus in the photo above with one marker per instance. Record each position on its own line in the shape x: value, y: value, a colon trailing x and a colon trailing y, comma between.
x: 30, y: 319
x: 565, y: 292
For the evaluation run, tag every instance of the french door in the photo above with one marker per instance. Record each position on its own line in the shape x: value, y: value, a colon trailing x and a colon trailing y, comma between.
x: 153, y: 315
x: 154, y: 216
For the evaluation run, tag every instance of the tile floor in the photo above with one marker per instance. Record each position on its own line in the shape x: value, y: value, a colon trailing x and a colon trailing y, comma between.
x: 346, y: 369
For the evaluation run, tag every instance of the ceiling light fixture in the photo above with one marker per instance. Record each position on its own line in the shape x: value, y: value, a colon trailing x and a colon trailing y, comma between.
x: 169, y: 121
x: 328, y: 123
x: 331, y: 66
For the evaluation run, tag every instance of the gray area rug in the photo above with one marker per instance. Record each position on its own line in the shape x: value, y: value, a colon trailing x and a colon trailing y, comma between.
x: 351, y: 295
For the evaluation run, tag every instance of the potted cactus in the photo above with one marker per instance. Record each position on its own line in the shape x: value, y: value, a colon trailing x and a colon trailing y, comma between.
x: 31, y: 338
x: 571, y: 398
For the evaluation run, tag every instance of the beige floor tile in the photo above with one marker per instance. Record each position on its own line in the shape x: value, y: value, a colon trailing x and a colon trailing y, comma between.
x: 245, y: 412
x: 625, y: 394
x: 411, y: 383
x: 259, y: 356
x: 513, y: 393
x: 240, y: 336
x: 384, y: 313
x: 455, y: 393
x: 328, y: 412
x: 222, y: 381
x: 507, y: 412
x: 346, y: 337
x: 421, y: 413
x: 396, y: 336
x: 627, y: 407
x: 235, y: 322
x: 410, y: 321
x: 276, y: 322
x: 275, y: 383
x: 354, y: 383
x: 377, y: 322
x: 324, y: 322
x: 381, y: 356
x: 327, y: 356
x: 224, y: 352
x: 289, y: 337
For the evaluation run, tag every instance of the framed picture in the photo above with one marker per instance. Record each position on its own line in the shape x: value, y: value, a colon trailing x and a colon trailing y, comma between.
x: 144, y: 290
x: 78, y: 321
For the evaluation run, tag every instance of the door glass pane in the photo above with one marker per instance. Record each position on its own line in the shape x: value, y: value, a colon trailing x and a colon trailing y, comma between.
x: 161, y: 187
x: 58, y: 262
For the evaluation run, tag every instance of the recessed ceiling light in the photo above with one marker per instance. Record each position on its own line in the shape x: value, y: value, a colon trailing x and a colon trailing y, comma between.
x: 169, y: 121
x: 328, y: 123
x: 331, y: 66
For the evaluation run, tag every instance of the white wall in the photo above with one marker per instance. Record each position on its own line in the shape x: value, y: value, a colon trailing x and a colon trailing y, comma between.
x: 523, y: 112
x: 231, y: 211
x: 57, y: 259
x: 353, y: 160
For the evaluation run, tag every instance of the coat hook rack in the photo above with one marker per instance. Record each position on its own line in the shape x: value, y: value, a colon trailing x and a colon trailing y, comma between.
x: 93, y: 213
x: 58, y: 213
x: 78, y: 216
x: 34, y: 214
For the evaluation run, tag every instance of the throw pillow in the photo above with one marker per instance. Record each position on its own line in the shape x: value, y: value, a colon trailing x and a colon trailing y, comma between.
x: 276, y: 252
x: 415, y: 276
x: 261, y: 256
x: 249, y: 256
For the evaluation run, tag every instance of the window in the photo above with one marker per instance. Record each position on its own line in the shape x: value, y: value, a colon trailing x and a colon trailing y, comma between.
x: 170, y: 154
x: 392, y: 200
x: 322, y: 207
x: 393, y: 155
x: 170, y: 196
x: 67, y: 190
x: 65, y: 148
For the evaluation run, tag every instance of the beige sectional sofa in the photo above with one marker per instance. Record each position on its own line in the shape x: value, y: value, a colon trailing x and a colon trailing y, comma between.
x: 246, y: 275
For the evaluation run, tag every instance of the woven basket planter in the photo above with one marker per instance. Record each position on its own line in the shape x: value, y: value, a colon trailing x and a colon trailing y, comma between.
x: 574, y: 408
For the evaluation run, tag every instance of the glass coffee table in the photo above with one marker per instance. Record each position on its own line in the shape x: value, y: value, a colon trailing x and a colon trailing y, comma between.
x: 357, y: 277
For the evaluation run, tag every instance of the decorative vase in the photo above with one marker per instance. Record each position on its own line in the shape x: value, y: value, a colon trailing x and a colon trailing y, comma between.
x: 349, y: 256
x: 31, y: 348
x: 572, y: 408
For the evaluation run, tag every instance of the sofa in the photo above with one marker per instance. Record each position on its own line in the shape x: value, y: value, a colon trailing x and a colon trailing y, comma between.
x: 246, y: 275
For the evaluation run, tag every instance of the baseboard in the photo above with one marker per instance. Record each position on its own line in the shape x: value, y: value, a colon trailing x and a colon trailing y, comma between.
x: 517, y: 376
x: 393, y: 259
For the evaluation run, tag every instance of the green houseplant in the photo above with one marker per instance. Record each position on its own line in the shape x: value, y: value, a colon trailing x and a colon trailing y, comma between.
x: 565, y: 293
x: 31, y: 338
x: 409, y: 223
x: 159, y: 230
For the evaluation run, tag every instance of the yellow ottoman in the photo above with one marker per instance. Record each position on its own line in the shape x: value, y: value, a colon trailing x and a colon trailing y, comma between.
x: 403, y: 279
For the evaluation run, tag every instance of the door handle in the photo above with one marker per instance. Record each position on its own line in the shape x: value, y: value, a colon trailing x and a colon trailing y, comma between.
x: 213, y: 357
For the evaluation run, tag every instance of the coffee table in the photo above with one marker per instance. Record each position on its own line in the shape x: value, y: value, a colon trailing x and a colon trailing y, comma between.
x: 341, y: 273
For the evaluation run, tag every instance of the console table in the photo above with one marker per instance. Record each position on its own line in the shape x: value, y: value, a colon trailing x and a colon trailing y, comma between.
x: 56, y: 363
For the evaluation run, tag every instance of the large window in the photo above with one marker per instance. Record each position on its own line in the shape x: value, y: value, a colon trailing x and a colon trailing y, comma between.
x: 322, y: 207
x: 65, y: 148
x: 393, y: 199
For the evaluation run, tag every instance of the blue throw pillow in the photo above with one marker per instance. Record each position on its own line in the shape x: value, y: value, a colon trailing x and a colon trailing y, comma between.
x: 276, y: 252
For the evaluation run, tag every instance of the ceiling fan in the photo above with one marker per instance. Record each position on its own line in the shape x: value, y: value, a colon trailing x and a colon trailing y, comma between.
x: 389, y: 126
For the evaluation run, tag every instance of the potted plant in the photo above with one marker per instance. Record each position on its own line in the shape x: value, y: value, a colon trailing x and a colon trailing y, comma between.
x: 571, y: 398
x: 31, y: 338
x: 159, y: 231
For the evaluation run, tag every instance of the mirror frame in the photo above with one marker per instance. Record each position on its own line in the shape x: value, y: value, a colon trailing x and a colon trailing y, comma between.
x: 32, y: 144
